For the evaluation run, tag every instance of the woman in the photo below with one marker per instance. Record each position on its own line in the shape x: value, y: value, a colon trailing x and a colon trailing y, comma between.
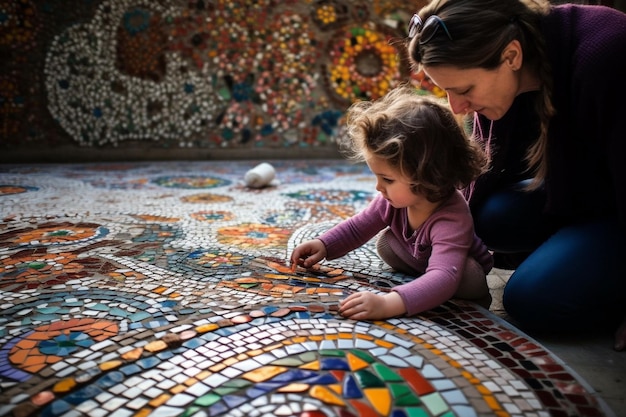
x: 546, y: 86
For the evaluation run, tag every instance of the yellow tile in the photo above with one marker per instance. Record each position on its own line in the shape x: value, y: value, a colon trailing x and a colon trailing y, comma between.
x: 133, y: 355
x: 264, y: 373
x: 205, y: 328
x: 315, y: 366
x: 160, y: 400
x: 380, y: 399
x: 272, y: 347
x: 107, y: 366
x: 65, y: 385
x: 355, y: 362
x: 384, y: 343
x: 230, y: 361
x: 190, y: 381
x: 178, y: 389
x: 217, y: 367
x: 336, y: 388
x: 156, y: 346
x: 492, y: 402
x: 294, y: 388
x: 144, y: 412
x: 203, y: 375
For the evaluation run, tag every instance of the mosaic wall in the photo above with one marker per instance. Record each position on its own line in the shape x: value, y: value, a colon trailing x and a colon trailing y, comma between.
x: 196, y: 73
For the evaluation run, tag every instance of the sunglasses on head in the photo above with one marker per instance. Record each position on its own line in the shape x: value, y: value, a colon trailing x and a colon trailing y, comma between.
x: 428, y: 29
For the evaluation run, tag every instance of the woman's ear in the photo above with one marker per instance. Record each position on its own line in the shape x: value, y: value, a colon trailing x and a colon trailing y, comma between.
x: 513, y: 55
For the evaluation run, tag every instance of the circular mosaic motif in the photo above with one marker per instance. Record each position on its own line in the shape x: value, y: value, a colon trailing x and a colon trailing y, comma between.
x: 253, y: 235
x: 213, y: 216
x: 332, y: 196
x: 214, y: 259
x: 55, y: 234
x: 206, y: 198
x: 190, y: 182
x: 30, y: 271
x: 364, y: 64
x: 15, y: 189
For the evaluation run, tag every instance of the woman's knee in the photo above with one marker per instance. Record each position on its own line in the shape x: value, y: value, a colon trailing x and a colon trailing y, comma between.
x: 573, y: 279
x: 512, y: 220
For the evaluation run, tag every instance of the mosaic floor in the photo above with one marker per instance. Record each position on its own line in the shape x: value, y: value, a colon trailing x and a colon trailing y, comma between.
x: 161, y: 289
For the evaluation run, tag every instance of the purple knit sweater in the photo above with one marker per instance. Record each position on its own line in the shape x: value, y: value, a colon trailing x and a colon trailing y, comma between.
x: 586, y: 46
x: 439, y: 247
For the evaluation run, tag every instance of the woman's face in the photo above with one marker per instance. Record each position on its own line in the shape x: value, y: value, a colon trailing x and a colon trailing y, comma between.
x: 488, y: 92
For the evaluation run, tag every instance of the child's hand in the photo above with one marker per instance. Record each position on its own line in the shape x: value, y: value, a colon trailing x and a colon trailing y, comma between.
x: 366, y: 305
x: 308, y: 253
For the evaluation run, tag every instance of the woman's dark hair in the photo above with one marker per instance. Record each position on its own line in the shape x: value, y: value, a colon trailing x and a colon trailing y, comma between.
x: 417, y: 135
x: 480, y: 31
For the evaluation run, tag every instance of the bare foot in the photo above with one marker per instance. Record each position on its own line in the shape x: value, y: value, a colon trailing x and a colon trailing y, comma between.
x: 620, y: 336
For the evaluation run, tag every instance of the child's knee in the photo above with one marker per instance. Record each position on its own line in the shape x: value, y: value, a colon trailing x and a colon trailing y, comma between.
x: 473, y: 283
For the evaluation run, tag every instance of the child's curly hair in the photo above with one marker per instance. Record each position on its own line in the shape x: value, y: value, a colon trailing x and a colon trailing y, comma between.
x: 418, y: 136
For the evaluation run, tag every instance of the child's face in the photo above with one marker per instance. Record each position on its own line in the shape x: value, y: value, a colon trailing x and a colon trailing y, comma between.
x: 394, y: 187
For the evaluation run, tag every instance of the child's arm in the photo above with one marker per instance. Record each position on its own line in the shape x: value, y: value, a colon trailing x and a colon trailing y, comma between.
x: 446, y: 240
x: 449, y: 234
x: 343, y: 237
x: 366, y: 305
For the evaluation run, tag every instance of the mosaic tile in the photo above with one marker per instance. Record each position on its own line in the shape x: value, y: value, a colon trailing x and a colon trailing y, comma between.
x: 134, y: 301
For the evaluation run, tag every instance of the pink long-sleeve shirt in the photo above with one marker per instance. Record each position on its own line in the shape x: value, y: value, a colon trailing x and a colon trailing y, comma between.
x: 438, y: 248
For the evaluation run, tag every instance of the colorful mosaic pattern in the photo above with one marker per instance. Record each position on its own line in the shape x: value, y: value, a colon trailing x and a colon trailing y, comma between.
x: 195, y: 73
x: 162, y: 290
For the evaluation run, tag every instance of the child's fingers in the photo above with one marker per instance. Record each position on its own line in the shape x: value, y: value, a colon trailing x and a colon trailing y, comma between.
x: 346, y: 306
x: 298, y: 254
x: 296, y: 260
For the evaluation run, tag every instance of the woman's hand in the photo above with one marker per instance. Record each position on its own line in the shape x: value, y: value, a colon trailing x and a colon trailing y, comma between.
x: 366, y: 305
x: 308, y: 253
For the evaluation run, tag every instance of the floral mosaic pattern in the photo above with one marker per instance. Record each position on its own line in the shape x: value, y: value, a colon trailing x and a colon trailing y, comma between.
x: 186, y: 305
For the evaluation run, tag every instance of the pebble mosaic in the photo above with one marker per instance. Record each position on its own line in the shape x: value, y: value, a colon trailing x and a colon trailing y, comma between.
x: 162, y: 290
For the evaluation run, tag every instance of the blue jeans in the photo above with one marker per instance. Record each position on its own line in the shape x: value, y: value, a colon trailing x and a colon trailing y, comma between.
x: 572, y: 278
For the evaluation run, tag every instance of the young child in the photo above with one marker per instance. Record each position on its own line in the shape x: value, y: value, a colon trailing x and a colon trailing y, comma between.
x: 421, y: 158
